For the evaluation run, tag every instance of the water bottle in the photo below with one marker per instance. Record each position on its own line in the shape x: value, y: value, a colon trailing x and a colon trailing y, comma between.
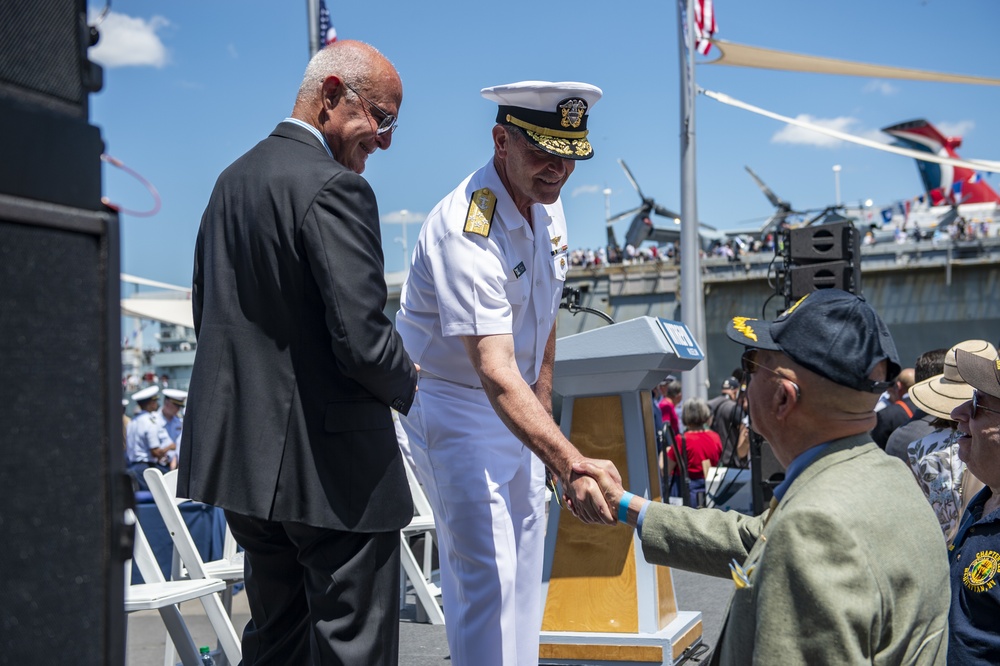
x: 206, y: 656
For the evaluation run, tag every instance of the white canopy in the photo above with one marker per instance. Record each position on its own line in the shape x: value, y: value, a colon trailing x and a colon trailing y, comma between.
x: 169, y: 310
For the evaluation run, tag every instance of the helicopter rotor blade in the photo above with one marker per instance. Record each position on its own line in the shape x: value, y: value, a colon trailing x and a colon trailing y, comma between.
x: 768, y: 192
x: 631, y: 178
x: 665, y: 212
x: 628, y: 213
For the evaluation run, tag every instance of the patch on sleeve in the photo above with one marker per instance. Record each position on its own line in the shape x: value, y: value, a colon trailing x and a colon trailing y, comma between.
x: 481, y: 209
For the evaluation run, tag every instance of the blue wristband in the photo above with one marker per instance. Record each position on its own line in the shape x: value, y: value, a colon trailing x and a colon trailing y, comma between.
x: 623, y: 506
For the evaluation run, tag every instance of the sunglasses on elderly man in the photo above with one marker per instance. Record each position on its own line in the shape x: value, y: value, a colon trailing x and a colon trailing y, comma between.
x: 749, y: 365
x: 388, y: 123
x: 976, y: 406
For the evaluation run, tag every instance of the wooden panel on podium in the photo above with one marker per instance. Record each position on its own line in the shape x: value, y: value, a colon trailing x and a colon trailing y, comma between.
x: 592, y: 587
x: 604, y: 603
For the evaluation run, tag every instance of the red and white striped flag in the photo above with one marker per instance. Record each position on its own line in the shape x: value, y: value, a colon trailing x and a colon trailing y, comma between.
x: 327, y: 33
x: 704, y: 25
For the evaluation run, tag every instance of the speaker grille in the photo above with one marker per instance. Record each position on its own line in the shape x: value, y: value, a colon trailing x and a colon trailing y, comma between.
x: 41, y: 49
x: 55, y: 501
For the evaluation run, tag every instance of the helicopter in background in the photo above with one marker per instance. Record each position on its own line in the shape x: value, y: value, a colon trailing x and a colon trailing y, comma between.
x: 785, y: 216
x: 642, y: 228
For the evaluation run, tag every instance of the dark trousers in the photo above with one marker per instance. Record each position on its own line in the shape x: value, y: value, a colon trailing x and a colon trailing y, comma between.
x: 318, y: 596
x: 137, y: 469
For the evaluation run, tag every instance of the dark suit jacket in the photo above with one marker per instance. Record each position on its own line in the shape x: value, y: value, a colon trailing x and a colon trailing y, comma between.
x: 288, y: 413
x: 850, y: 569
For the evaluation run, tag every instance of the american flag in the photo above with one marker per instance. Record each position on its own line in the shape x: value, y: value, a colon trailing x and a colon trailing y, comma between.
x: 704, y: 25
x: 327, y: 33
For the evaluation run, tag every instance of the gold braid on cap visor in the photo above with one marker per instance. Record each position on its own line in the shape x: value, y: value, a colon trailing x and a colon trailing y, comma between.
x: 556, y: 141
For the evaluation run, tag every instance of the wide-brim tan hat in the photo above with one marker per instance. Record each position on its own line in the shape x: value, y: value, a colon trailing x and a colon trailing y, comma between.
x: 942, y: 393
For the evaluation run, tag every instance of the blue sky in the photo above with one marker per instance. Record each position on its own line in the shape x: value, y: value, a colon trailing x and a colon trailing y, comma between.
x: 191, y: 85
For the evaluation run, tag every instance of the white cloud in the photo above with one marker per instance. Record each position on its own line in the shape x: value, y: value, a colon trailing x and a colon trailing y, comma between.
x: 800, y: 135
x: 959, y: 128
x: 586, y: 189
x: 129, y: 42
x: 881, y: 87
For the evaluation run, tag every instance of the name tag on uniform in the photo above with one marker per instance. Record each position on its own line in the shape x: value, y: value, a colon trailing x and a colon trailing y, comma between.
x: 480, y: 215
x: 519, y: 270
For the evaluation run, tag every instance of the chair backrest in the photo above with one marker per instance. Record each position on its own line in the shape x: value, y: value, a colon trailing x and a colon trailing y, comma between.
x: 163, y: 487
x: 142, y: 553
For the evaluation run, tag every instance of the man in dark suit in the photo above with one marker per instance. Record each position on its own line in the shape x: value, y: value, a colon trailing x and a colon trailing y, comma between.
x: 288, y: 426
x: 848, y: 565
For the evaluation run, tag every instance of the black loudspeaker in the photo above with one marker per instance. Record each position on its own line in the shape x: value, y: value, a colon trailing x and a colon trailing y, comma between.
x: 62, y: 500
x: 43, y: 55
x: 821, y: 257
x: 825, y: 242
x: 827, y: 275
x: 62, y: 491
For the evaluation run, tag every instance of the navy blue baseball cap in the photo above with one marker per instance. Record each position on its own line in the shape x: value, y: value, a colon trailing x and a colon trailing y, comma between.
x: 835, y: 334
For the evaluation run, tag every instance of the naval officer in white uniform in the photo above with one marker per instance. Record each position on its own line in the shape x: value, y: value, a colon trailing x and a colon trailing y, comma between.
x: 477, y: 314
x: 170, y: 415
x: 145, y: 439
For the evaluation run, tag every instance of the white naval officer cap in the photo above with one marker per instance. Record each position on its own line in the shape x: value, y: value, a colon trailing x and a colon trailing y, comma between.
x: 551, y: 115
x: 176, y: 396
x: 146, y: 393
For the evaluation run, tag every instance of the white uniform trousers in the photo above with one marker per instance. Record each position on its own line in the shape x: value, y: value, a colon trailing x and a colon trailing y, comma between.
x: 487, y: 491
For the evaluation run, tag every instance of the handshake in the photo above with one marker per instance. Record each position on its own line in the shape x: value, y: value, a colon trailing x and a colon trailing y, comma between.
x: 592, y: 490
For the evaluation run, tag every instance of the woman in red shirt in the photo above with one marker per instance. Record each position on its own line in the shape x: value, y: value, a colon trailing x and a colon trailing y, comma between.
x: 699, y: 445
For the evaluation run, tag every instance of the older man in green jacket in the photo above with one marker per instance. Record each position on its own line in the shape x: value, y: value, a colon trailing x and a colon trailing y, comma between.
x: 848, y: 566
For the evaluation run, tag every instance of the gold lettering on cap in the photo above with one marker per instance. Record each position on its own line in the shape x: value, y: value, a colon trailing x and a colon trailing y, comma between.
x: 740, y: 324
x: 794, y: 305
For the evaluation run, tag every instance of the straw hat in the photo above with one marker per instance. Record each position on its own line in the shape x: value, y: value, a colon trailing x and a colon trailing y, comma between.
x: 942, y: 393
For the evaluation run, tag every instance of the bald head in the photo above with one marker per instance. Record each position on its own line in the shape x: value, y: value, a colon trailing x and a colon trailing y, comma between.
x: 906, y: 379
x: 358, y: 63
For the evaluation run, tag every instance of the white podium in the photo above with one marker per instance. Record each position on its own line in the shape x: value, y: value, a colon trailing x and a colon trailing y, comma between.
x: 604, y: 604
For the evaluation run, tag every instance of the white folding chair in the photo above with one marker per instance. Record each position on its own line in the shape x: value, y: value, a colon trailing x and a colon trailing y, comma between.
x: 163, y: 488
x: 164, y: 596
x: 421, y: 576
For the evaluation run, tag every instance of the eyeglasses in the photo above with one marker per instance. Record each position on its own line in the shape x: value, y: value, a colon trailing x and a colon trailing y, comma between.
x: 976, y: 406
x: 388, y: 123
x: 748, y: 363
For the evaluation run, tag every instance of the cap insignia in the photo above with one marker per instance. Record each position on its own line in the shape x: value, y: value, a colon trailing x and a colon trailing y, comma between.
x: 480, y: 216
x: 572, y: 110
x: 998, y: 364
x: 794, y: 305
x: 740, y: 324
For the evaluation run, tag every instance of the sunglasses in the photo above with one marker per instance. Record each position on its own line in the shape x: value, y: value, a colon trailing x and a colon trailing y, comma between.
x: 388, y: 123
x: 749, y: 365
x: 976, y: 406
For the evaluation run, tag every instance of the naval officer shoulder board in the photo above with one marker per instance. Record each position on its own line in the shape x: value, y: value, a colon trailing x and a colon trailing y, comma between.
x: 480, y: 215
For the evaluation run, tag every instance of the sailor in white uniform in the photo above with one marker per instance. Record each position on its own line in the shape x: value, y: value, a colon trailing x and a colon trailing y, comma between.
x: 477, y: 314
x: 145, y: 439
x: 170, y: 415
